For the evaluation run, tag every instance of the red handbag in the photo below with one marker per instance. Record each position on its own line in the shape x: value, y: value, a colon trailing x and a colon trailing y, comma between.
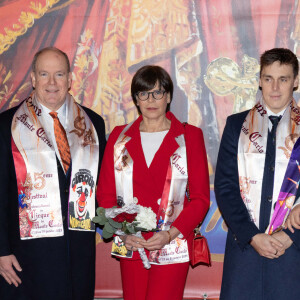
x: 200, y: 250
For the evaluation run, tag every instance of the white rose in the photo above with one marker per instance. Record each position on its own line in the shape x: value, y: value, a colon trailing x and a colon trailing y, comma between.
x: 146, y: 218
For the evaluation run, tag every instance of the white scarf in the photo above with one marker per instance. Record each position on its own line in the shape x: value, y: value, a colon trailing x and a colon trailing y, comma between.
x: 252, y: 153
x: 172, y: 198
x: 36, y: 171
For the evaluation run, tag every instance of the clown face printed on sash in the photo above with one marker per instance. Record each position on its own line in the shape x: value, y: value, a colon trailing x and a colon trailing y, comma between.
x: 83, y: 191
x: 82, y: 186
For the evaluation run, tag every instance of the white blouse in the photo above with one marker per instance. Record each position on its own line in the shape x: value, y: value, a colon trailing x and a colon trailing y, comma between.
x: 151, y: 142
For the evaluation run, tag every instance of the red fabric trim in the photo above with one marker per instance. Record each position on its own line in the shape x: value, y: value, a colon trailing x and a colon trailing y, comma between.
x: 20, y: 166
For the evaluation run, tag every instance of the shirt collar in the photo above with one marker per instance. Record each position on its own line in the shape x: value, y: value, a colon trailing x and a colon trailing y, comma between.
x: 61, y: 112
x: 270, y: 113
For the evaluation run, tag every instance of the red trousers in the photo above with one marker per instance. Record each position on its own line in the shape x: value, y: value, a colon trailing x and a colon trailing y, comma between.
x: 160, y: 282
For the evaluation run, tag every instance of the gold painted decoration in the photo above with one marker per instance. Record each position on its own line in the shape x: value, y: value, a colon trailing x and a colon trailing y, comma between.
x: 158, y: 26
x: 6, y: 88
x: 224, y: 77
x: 188, y: 75
x: 31, y: 12
x: 85, y: 68
x: 112, y: 98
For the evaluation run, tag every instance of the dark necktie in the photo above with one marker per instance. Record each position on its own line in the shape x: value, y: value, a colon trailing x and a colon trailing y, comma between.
x: 275, y: 120
x: 61, y: 142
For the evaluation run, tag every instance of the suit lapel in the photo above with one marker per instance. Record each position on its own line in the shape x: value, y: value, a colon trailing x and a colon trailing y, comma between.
x: 158, y: 168
x: 134, y: 145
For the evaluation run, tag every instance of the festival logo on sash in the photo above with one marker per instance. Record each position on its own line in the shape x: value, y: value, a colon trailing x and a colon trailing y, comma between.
x: 83, y: 185
x: 36, y: 216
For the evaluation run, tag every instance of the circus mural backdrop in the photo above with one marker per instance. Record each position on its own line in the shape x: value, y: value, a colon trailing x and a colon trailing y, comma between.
x: 211, y: 48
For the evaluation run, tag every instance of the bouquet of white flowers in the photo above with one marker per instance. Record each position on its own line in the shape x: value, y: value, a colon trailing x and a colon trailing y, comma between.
x: 132, y: 218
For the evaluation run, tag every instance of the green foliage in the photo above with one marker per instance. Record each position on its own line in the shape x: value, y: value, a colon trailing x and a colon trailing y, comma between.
x: 114, y: 223
x: 110, y: 226
x: 100, y: 211
x: 131, y: 229
x: 100, y: 219
x: 106, y: 235
x: 140, y: 229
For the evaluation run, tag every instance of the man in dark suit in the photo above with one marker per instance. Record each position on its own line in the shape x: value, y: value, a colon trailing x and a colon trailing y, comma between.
x: 50, y: 154
x: 262, y: 259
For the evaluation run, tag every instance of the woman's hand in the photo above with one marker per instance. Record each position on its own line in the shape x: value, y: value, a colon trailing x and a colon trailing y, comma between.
x: 157, y: 241
x: 293, y: 219
x: 132, y: 242
x: 161, y: 238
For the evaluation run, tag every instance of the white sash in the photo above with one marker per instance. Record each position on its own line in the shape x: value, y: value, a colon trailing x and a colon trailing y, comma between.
x: 252, y: 153
x: 172, y: 199
x: 38, y: 185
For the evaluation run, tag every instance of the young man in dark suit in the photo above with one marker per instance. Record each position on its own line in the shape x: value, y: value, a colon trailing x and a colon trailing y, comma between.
x: 50, y: 153
x: 255, y: 187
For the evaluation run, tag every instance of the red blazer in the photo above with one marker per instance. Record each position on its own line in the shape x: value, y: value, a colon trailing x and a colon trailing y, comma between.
x: 148, y: 183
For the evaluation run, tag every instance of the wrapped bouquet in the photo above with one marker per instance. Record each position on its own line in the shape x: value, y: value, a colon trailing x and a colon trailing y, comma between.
x: 132, y: 218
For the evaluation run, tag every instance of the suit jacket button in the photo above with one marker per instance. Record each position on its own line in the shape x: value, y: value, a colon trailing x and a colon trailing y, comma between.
x: 272, y: 169
x: 66, y: 190
x: 270, y: 198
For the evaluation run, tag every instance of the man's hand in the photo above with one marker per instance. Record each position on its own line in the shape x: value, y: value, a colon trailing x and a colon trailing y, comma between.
x: 293, y: 219
x: 284, y: 239
x: 7, y: 265
x: 266, y: 245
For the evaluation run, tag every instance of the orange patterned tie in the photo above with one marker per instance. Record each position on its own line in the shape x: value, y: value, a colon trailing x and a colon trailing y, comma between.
x: 61, y: 141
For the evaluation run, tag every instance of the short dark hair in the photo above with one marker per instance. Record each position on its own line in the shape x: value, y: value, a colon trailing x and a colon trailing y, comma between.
x: 36, y: 56
x: 145, y: 79
x: 283, y: 55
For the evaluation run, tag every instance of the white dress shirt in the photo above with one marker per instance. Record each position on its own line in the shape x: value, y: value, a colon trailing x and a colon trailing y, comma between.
x: 270, y: 113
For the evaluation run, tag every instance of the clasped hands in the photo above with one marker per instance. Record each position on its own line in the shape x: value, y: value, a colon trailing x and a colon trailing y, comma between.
x: 156, y: 242
x: 273, y: 246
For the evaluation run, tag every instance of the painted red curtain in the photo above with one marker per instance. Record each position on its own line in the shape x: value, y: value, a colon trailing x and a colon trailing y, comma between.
x: 211, y: 49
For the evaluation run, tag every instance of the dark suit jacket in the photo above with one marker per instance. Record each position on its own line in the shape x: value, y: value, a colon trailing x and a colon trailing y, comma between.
x: 247, y: 275
x: 57, y: 268
x: 148, y: 183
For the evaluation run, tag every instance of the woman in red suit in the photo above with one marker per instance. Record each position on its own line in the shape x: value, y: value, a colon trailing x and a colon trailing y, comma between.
x: 155, y: 159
